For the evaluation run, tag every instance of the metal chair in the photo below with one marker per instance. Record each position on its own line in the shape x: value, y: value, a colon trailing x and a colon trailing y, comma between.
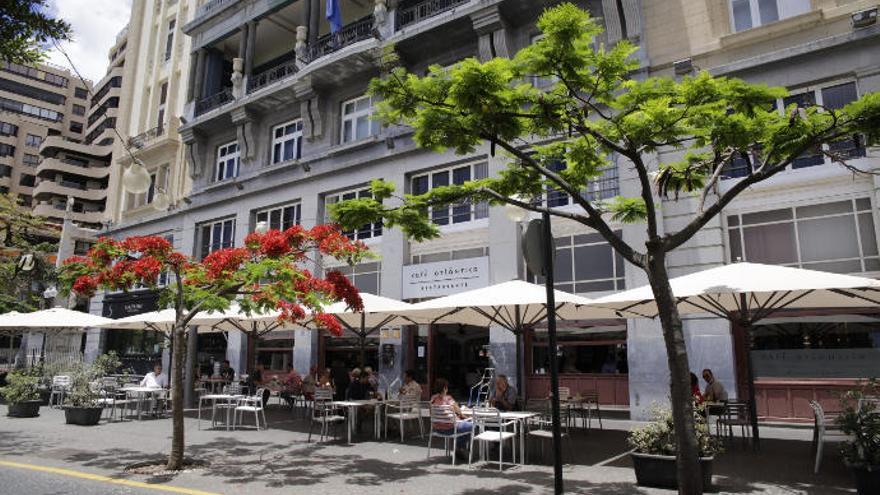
x: 544, y: 432
x: 445, y: 415
x: 324, y: 412
x: 735, y: 413
x: 824, y: 430
x: 112, y: 397
x: 251, y: 404
x: 407, y: 409
x: 233, y: 389
x: 588, y: 405
x: 60, y: 386
x: 489, y: 427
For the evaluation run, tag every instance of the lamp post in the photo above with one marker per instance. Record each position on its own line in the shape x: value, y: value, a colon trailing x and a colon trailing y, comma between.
x: 540, y: 260
x: 136, y: 179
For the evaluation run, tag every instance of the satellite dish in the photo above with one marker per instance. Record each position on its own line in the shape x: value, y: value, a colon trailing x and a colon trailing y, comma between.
x: 533, y: 247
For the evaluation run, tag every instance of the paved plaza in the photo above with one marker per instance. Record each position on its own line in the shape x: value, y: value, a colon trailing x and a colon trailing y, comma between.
x: 279, y: 460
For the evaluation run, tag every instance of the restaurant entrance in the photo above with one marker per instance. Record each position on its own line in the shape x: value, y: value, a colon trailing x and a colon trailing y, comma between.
x: 458, y: 353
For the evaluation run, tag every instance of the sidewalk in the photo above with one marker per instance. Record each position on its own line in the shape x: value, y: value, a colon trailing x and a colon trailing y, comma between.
x: 279, y: 459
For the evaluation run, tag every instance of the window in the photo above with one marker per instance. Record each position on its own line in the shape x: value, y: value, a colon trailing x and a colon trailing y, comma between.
x: 81, y: 93
x: 228, y: 158
x: 280, y: 217
x: 33, y: 110
x: 7, y: 149
x: 356, y: 119
x: 366, y: 277
x: 34, y: 73
x: 458, y: 254
x: 746, y: 14
x: 216, y: 235
x: 367, y: 231
x: 33, y: 140
x: 585, y: 263
x: 25, y: 200
x: 27, y: 180
x: 602, y: 187
x: 7, y: 129
x: 160, y: 116
x: 78, y: 109
x: 76, y: 127
x: 801, y: 237
x: 459, y: 213
x: 169, y: 40
x: 592, y: 351
x: 30, y: 160
x: 80, y: 248
x: 5, y: 171
x: 287, y: 141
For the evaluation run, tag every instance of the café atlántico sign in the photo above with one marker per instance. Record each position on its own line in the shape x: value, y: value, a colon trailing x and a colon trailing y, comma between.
x: 444, y: 277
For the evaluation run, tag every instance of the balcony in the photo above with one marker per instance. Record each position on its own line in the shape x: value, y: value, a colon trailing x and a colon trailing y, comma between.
x: 73, y: 167
x: 214, y: 101
x: 350, y: 34
x: 146, y: 137
x: 48, y: 210
x: 54, y: 144
x: 64, y: 189
x: 275, y: 73
x: 412, y: 12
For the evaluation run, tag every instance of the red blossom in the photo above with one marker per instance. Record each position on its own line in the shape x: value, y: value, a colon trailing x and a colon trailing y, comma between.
x: 147, y: 245
x: 76, y: 259
x: 290, y: 312
x: 85, y: 285
x: 224, y: 262
x: 329, y: 323
x: 274, y: 244
x: 147, y: 268
x: 345, y: 291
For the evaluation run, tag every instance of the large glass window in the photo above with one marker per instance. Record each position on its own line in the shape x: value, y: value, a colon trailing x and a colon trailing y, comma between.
x: 835, y: 237
x: 216, y: 235
x: 366, y: 231
x: 585, y: 263
x: 169, y: 39
x: 605, y: 186
x: 280, y: 217
x: 366, y: 277
x: 582, y: 350
x: 33, y: 140
x: 228, y: 161
x: 356, y: 119
x: 457, y: 213
x: 287, y: 141
x: 7, y: 129
x: 746, y: 14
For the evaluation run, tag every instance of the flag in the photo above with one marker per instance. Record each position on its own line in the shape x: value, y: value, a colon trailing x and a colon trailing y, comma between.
x: 334, y: 16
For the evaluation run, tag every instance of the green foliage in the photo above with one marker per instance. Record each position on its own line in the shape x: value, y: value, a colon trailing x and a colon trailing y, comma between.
x: 85, y: 380
x: 658, y: 436
x: 26, y: 29
x: 860, y: 421
x: 21, y: 387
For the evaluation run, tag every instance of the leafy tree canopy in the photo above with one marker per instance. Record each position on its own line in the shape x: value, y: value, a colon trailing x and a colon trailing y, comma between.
x: 25, y: 29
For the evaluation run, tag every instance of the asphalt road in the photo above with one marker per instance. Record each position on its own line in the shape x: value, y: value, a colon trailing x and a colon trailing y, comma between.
x: 14, y: 481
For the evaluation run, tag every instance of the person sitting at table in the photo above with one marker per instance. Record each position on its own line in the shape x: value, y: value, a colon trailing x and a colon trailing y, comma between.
x: 226, y: 371
x: 257, y: 379
x: 155, y: 378
x: 504, y: 396
x: 309, y: 383
x: 441, y: 397
x: 324, y: 380
x: 695, y: 389
x: 410, y: 388
x: 715, y: 391
x: 372, y: 378
x: 359, y: 389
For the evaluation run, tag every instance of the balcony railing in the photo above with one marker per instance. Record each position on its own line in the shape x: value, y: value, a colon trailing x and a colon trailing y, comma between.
x: 268, y: 76
x: 350, y: 34
x: 413, y: 12
x: 214, y: 101
x: 210, y: 7
x: 143, y: 138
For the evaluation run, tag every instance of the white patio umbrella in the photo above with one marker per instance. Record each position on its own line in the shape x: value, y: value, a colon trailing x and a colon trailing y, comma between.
x: 746, y: 293
x: 159, y: 321
x: 53, y: 319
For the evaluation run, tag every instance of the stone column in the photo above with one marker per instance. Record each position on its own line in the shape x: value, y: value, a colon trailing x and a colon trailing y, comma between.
x: 302, y: 48
x: 191, y: 84
x: 305, y: 350
x: 192, y: 341
x: 96, y: 340
x: 395, y: 254
x: 491, y: 29
x: 200, y: 75
x: 251, y: 51
x: 314, y: 19
x: 236, y: 351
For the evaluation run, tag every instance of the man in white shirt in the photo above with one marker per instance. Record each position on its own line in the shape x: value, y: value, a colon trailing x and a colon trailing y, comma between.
x: 155, y: 378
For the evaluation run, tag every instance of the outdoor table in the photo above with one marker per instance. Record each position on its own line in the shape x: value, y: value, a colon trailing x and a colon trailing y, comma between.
x: 215, y: 382
x: 214, y: 398
x: 520, y: 417
x: 353, y: 406
x: 140, y: 393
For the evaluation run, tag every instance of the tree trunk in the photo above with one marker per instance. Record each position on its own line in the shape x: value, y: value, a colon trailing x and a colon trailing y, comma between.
x: 690, y: 480
x: 178, y: 357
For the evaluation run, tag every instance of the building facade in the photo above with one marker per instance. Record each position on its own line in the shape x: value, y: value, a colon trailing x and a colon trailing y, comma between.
x: 278, y: 127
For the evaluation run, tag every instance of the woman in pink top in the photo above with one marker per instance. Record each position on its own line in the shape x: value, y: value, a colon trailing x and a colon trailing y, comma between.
x: 441, y: 397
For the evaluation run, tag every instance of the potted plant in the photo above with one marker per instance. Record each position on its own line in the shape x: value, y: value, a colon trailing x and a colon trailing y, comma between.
x: 82, y: 404
x: 860, y: 421
x: 22, y: 395
x: 655, y: 449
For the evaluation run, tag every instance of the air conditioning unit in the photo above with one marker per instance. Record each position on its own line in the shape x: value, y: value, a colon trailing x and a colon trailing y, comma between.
x: 864, y: 18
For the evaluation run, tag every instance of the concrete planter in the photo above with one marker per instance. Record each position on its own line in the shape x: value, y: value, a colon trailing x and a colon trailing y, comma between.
x: 660, y: 470
x: 83, y: 416
x: 26, y: 409
x: 867, y: 479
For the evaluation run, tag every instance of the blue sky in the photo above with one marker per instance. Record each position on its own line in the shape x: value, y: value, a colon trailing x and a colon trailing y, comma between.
x: 95, y: 25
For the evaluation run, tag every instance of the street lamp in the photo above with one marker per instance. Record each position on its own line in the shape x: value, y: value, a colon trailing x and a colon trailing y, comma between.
x: 161, y: 201
x: 136, y: 179
x: 262, y: 227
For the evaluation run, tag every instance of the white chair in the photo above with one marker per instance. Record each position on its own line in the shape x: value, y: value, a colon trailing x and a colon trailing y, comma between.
x: 111, y: 397
x: 824, y: 430
x: 444, y: 415
x: 252, y: 404
x: 490, y: 428
x: 324, y: 412
x: 406, y: 409
x: 60, y: 386
x: 233, y: 389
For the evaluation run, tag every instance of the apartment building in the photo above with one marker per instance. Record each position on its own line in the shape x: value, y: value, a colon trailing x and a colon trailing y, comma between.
x: 278, y: 127
x: 35, y: 102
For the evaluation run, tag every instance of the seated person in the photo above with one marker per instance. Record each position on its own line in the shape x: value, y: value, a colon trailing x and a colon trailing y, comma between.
x: 226, y: 371
x: 504, y: 396
x: 155, y: 378
x: 714, y: 389
x: 695, y: 389
x: 442, y: 398
x: 359, y: 389
x: 373, y: 378
x: 257, y: 380
x: 291, y: 386
x: 410, y: 388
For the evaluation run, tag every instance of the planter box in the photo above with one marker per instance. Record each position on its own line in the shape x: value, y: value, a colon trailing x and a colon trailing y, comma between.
x: 867, y: 479
x: 83, y: 416
x: 660, y: 470
x: 27, y: 409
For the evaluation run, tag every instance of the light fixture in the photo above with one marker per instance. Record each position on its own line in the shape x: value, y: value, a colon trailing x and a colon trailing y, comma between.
x: 514, y: 212
x: 262, y: 227
x: 136, y: 179
x: 50, y: 292
x: 161, y: 201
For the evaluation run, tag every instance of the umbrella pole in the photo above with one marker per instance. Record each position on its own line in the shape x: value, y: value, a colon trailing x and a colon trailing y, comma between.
x: 519, y: 355
x: 750, y: 370
x: 551, y: 341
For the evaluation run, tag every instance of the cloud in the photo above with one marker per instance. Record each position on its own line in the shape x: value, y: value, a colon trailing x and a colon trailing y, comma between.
x: 95, y: 25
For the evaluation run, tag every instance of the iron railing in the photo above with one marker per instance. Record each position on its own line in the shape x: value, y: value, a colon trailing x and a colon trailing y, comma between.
x: 143, y: 138
x: 413, y: 12
x: 268, y: 76
x: 216, y: 100
x: 350, y: 34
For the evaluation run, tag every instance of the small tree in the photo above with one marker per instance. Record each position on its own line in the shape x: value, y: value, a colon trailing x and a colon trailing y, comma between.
x: 559, y: 139
x: 266, y: 274
x: 25, y: 27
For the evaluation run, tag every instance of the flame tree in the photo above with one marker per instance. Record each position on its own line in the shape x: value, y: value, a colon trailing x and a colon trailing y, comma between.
x: 266, y: 274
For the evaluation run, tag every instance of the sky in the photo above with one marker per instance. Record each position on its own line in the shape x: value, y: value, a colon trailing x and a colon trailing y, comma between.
x: 95, y: 25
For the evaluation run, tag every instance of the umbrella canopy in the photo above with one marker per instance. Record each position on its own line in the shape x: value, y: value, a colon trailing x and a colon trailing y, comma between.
x: 378, y: 311
x: 752, y: 291
x: 235, y: 319
x: 51, y: 319
x: 159, y: 321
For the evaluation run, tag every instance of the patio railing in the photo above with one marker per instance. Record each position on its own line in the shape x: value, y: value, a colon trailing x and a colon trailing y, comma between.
x: 268, y: 76
x: 143, y: 138
x: 413, y: 12
x: 214, y: 101
x: 350, y: 34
